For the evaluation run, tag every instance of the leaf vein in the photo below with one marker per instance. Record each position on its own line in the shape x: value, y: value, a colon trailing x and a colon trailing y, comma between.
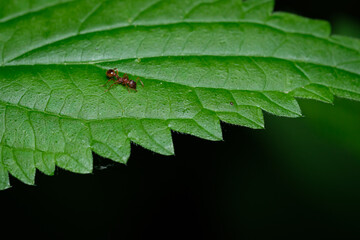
x: 176, y: 23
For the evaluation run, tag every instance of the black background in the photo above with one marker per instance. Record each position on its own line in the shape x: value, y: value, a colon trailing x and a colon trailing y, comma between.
x: 286, y: 181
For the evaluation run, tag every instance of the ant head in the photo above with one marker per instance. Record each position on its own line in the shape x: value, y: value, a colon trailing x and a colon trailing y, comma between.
x: 110, y: 73
x: 132, y: 84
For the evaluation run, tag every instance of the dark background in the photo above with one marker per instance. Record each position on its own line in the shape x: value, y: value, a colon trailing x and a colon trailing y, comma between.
x: 299, y: 178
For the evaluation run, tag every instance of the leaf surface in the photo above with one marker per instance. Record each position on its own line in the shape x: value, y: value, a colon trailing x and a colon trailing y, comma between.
x: 201, y: 61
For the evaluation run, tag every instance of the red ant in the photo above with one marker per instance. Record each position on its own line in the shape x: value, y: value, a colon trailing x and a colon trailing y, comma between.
x: 113, y: 74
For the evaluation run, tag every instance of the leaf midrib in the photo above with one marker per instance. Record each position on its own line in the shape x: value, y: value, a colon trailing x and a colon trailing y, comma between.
x: 95, y: 63
x: 188, y: 86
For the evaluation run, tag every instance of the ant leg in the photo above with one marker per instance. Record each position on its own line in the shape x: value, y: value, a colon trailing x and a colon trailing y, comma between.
x: 125, y: 76
x: 127, y: 87
x: 106, y: 83
x: 138, y: 79
x: 110, y: 86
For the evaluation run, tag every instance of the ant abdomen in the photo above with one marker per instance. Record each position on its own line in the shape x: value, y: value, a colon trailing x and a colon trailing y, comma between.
x: 132, y: 84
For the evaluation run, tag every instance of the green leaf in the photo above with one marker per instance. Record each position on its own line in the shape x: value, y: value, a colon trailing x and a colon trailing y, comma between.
x: 201, y: 62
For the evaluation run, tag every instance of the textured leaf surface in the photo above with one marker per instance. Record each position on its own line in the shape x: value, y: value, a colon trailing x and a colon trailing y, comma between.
x: 202, y: 62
